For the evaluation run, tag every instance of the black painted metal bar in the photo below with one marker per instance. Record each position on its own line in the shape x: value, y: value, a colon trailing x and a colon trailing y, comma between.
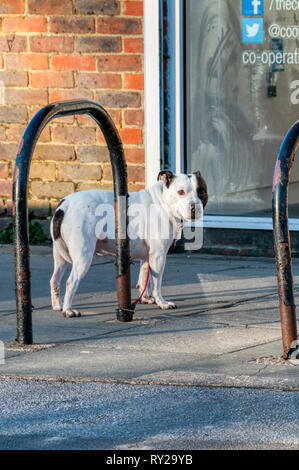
x: 20, y: 190
x: 282, y: 245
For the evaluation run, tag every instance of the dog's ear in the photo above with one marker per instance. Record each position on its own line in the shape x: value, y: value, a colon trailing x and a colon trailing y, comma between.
x: 202, y: 191
x: 166, y: 176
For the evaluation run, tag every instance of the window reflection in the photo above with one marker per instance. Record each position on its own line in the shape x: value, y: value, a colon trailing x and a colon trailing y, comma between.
x: 235, y: 123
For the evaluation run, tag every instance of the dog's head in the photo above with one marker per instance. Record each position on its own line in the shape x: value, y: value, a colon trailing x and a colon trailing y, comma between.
x: 186, y: 195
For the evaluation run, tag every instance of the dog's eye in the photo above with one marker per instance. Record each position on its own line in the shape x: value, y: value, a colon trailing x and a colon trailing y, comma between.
x: 181, y: 192
x: 201, y: 190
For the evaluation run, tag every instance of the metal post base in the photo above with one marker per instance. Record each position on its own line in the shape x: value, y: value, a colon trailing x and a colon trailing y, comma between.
x: 124, y: 315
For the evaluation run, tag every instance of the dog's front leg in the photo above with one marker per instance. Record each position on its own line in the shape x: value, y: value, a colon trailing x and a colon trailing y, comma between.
x: 143, y: 276
x: 157, y: 264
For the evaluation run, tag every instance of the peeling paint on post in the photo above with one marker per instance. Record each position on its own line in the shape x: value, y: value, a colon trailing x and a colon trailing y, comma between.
x: 20, y: 189
x: 282, y: 246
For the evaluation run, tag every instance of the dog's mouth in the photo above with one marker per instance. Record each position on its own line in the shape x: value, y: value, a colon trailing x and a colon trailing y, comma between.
x: 191, y: 213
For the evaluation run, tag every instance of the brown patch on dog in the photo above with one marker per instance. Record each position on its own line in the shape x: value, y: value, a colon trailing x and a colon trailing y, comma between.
x: 59, y: 204
x: 167, y: 176
x: 202, y: 190
x: 57, y: 221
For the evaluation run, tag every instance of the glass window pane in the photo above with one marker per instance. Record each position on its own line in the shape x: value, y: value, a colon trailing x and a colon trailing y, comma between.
x: 242, y: 88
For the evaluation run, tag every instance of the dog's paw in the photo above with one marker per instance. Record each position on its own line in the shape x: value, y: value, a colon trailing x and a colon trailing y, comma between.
x: 57, y: 308
x: 57, y: 305
x: 167, y: 305
x: 71, y: 313
x: 147, y: 300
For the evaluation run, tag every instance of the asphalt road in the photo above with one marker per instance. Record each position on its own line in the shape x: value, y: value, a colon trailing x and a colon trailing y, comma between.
x: 58, y: 415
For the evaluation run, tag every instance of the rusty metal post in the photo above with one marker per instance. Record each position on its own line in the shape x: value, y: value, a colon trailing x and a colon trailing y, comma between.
x: 282, y: 246
x: 20, y: 187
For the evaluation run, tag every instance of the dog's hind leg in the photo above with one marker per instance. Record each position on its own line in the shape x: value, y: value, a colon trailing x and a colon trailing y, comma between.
x: 81, y: 263
x: 60, y: 265
x: 157, y: 264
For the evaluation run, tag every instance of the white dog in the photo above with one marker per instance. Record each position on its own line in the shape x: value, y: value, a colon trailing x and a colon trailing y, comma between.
x: 78, y: 232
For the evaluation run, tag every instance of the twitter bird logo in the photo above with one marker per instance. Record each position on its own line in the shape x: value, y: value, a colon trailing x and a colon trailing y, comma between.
x: 253, y: 29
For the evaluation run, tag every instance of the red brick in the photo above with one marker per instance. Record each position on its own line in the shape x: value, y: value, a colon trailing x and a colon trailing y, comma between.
x: 45, y: 135
x: 99, y: 80
x: 134, y: 45
x: 15, y: 132
x: 25, y: 24
x: 94, y: 153
x: 119, y: 63
x: 50, y: 7
x: 136, y: 173
x: 13, y: 114
x: 4, y: 170
x: 72, y: 94
x: 62, y: 120
x: 2, y: 133
x: 107, y: 173
x: 12, y: 7
x: 51, y: 44
x: 51, y: 189
x: 6, y: 188
x: 43, y: 170
x: 8, y: 151
x: 12, y: 43
x: 131, y: 136
x: 134, y: 117
x: 119, y: 26
x: 54, y: 152
x: 134, y: 188
x: 98, y: 7
x: 26, y: 62
x: 85, y: 120
x: 121, y: 99
x: 74, y: 135
x: 69, y: 62
x: 51, y: 79
x: 79, y: 172
x: 134, y: 81
x: 95, y: 185
x: 99, y: 44
x: 135, y: 155
x: 133, y: 8
x: 26, y: 96
x: 72, y: 25
x: 14, y: 78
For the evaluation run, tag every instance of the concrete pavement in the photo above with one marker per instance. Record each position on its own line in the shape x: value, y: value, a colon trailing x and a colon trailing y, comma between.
x: 225, y: 332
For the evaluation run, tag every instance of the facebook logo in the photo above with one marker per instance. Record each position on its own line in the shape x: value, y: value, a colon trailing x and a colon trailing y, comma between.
x: 253, y: 30
x: 253, y: 7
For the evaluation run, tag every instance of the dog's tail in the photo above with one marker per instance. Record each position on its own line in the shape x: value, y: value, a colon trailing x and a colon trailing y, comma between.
x: 55, y: 230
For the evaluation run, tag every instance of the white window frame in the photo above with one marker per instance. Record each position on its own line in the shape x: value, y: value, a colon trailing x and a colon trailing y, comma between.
x: 152, y: 90
x: 152, y: 115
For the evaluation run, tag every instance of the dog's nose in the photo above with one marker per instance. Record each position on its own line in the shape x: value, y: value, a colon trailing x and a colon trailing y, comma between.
x: 193, y: 211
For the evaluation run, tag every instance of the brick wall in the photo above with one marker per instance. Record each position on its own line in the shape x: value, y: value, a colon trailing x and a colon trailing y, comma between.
x: 52, y: 50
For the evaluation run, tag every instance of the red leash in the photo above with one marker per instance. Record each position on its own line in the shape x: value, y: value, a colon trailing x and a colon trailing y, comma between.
x: 146, y: 284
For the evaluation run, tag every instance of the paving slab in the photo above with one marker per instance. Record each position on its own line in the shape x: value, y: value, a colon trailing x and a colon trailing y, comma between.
x: 225, y: 331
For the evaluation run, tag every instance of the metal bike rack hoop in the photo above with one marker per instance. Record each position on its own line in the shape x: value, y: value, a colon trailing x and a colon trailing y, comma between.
x: 20, y: 189
x: 282, y: 246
